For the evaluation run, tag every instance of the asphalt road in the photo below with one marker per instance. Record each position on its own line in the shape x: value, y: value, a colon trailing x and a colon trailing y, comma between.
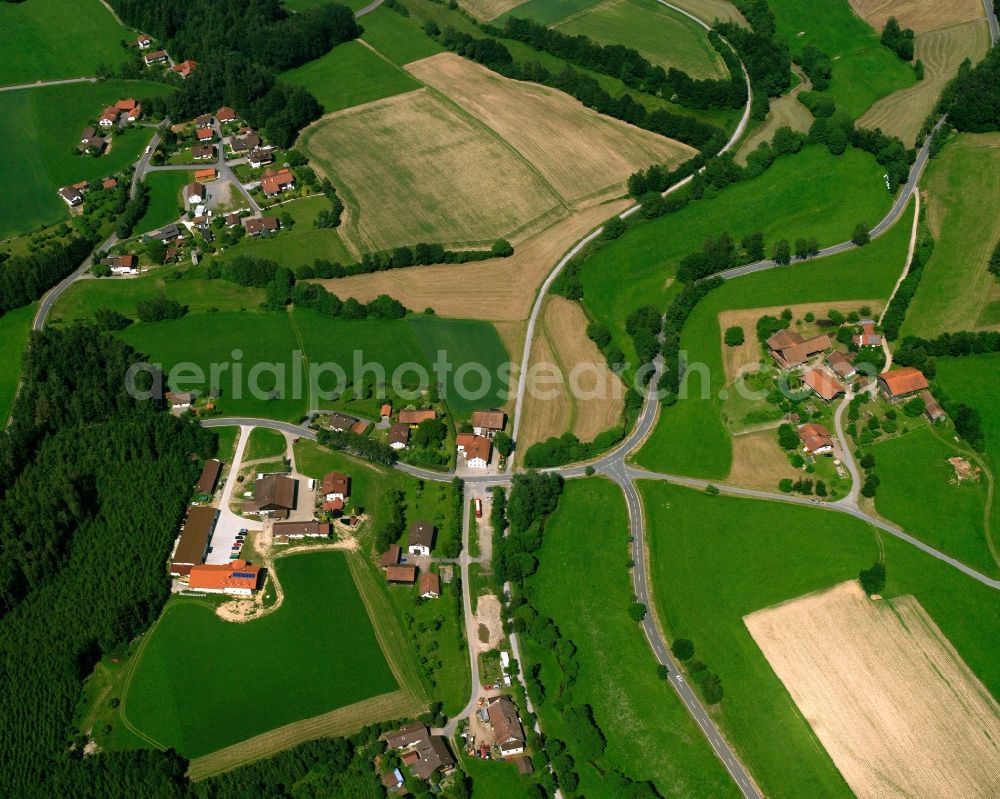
x: 39, y: 83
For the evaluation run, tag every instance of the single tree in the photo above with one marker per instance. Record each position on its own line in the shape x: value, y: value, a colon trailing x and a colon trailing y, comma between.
x: 637, y: 611
x: 861, y: 236
x: 873, y: 580
x: 782, y: 252
x: 683, y: 649
x: 735, y: 336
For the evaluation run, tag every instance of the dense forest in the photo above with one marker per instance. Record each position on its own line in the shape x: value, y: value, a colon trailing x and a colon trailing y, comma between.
x: 972, y: 99
x: 261, y: 38
x: 25, y: 278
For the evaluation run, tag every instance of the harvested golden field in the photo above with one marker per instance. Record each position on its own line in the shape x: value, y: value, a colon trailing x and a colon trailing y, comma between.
x: 414, y: 168
x: 921, y: 15
x: 759, y: 462
x: 903, y: 113
x: 748, y: 353
x: 711, y: 10
x: 586, y: 157
x: 786, y: 112
x: 898, y: 710
x: 498, y: 290
x: 544, y: 416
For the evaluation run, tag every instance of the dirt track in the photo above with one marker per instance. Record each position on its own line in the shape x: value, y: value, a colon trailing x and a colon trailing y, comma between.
x: 894, y: 704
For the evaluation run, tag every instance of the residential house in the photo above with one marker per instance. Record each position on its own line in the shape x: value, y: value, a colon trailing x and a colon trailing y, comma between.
x: 506, y: 724
x: 405, y: 574
x: 336, y: 486
x: 420, y: 540
x: 201, y: 221
x: 143, y: 41
x: 179, y: 400
x: 430, y: 585
x: 195, y: 193
x: 129, y: 108
x: 233, y: 219
x: 275, y: 495
x: 841, y: 365
x: 260, y: 156
x: 185, y: 68
x: 815, y: 438
x: 204, y: 121
x: 166, y: 233
x: 94, y: 145
x: 155, y: 57
x: 935, y: 413
x: 205, y: 175
x: 71, y: 196
x: 256, y: 225
x: 386, y: 410
x: 108, y: 118
x: 390, y: 557
x: 170, y: 255
x: 902, y: 383
x: 307, y: 529
x: 433, y: 755
x: 399, y: 436
x: 245, y: 141
x: 823, y: 383
x: 82, y: 186
x: 789, y: 349
x: 88, y: 134
x: 109, y: 183
x: 475, y: 449
x: 236, y: 578
x: 272, y: 183
x: 203, y: 152
x: 486, y: 423
x: 392, y: 781
x: 339, y: 422
x: 416, y: 417
x: 204, y: 134
x: 867, y: 337
x: 209, y: 476
x: 407, y: 736
x: 360, y: 427
x: 192, y: 547
x: 122, y: 264
x: 226, y: 114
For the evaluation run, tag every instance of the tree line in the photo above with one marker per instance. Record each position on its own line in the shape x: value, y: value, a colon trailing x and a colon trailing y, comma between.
x: 633, y: 69
x: 766, y: 59
x: 25, y: 278
x: 896, y: 312
x: 972, y: 99
x: 676, y: 315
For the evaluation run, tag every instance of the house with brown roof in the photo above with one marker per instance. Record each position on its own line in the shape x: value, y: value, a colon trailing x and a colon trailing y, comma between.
x: 339, y: 422
x: 204, y: 121
x: 236, y: 578
x: 88, y: 133
x: 233, y: 219
x: 407, y: 736
x: 203, y: 152
x: 430, y: 585
x: 399, y: 436
x: 390, y: 557
x: 109, y: 183
x: 486, y: 423
x: 109, y: 116
x: 902, y: 383
x: 433, y: 755
x: 506, y: 724
x: 260, y: 156
x: 815, y: 438
x: 179, y: 400
x: 867, y: 337
x: 185, y: 68
x: 226, y: 114
x: 336, y: 485
x: 94, y: 146
x: 841, y: 365
x: 420, y: 540
x: 192, y: 546
x: 475, y: 449
x: 416, y: 416
x: 155, y: 57
x: 932, y: 408
x: 306, y: 529
x: 789, y: 349
x: 143, y: 41
x: 275, y: 494
x: 406, y: 574
x: 71, y: 196
x: 823, y: 383
x: 272, y: 183
x: 195, y: 193
x: 245, y: 141
x: 122, y: 264
x: 209, y: 476
x: 254, y: 226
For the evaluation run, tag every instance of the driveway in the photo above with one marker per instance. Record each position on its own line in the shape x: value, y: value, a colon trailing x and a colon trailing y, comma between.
x: 229, y: 523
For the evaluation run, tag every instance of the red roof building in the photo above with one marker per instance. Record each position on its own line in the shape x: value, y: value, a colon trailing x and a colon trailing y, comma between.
x: 237, y: 577
x: 416, y: 417
x: 430, y: 585
x: 185, y: 68
x: 900, y: 383
x: 823, y: 383
x: 226, y: 114
x: 816, y: 439
x: 276, y: 182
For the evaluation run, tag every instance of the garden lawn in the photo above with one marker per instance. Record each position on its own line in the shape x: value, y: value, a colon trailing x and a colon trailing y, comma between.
x: 662, y: 35
x: 975, y: 381
x: 49, y: 39
x: 690, y: 437
x: 250, y: 678
x: 809, y: 194
x: 494, y: 779
x: 226, y: 444
x: 41, y: 128
x: 918, y: 491
x: 716, y: 559
x: 265, y: 443
x: 350, y: 74
x: 649, y: 734
x: 165, y: 202
x: 863, y: 69
x: 14, y: 329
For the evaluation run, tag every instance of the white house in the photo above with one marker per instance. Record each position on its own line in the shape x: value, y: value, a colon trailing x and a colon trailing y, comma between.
x: 421, y: 539
x: 506, y: 726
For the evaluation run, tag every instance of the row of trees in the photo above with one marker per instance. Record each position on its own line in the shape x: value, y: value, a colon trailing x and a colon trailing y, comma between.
x: 972, y: 99
x: 633, y: 69
x: 533, y: 496
x: 673, y: 323
x: 896, y: 312
x: 359, y: 446
x: 25, y: 278
x: 766, y: 59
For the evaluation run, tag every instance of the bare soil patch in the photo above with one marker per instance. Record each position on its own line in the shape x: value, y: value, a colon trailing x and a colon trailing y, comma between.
x: 585, y: 156
x: 920, y: 15
x: 488, y: 618
x: 499, y: 290
x: 415, y: 168
x: 748, y: 353
x: 903, y: 113
x: 898, y: 710
x: 759, y: 462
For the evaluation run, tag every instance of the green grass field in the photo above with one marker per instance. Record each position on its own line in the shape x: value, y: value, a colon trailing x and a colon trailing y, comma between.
x: 264, y: 443
x: 690, y: 437
x: 649, y: 734
x: 662, y: 35
x: 716, y: 559
x: 302, y: 244
x: 350, y: 74
x: 226, y: 443
x: 975, y: 380
x: 42, y: 128
x: 547, y: 11
x: 50, y: 39
x: 165, y: 202
x: 494, y: 779
x: 397, y: 37
x: 962, y: 191
x: 786, y: 202
x: 918, y: 493
x: 201, y: 683
x: 863, y: 70
x: 14, y: 329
